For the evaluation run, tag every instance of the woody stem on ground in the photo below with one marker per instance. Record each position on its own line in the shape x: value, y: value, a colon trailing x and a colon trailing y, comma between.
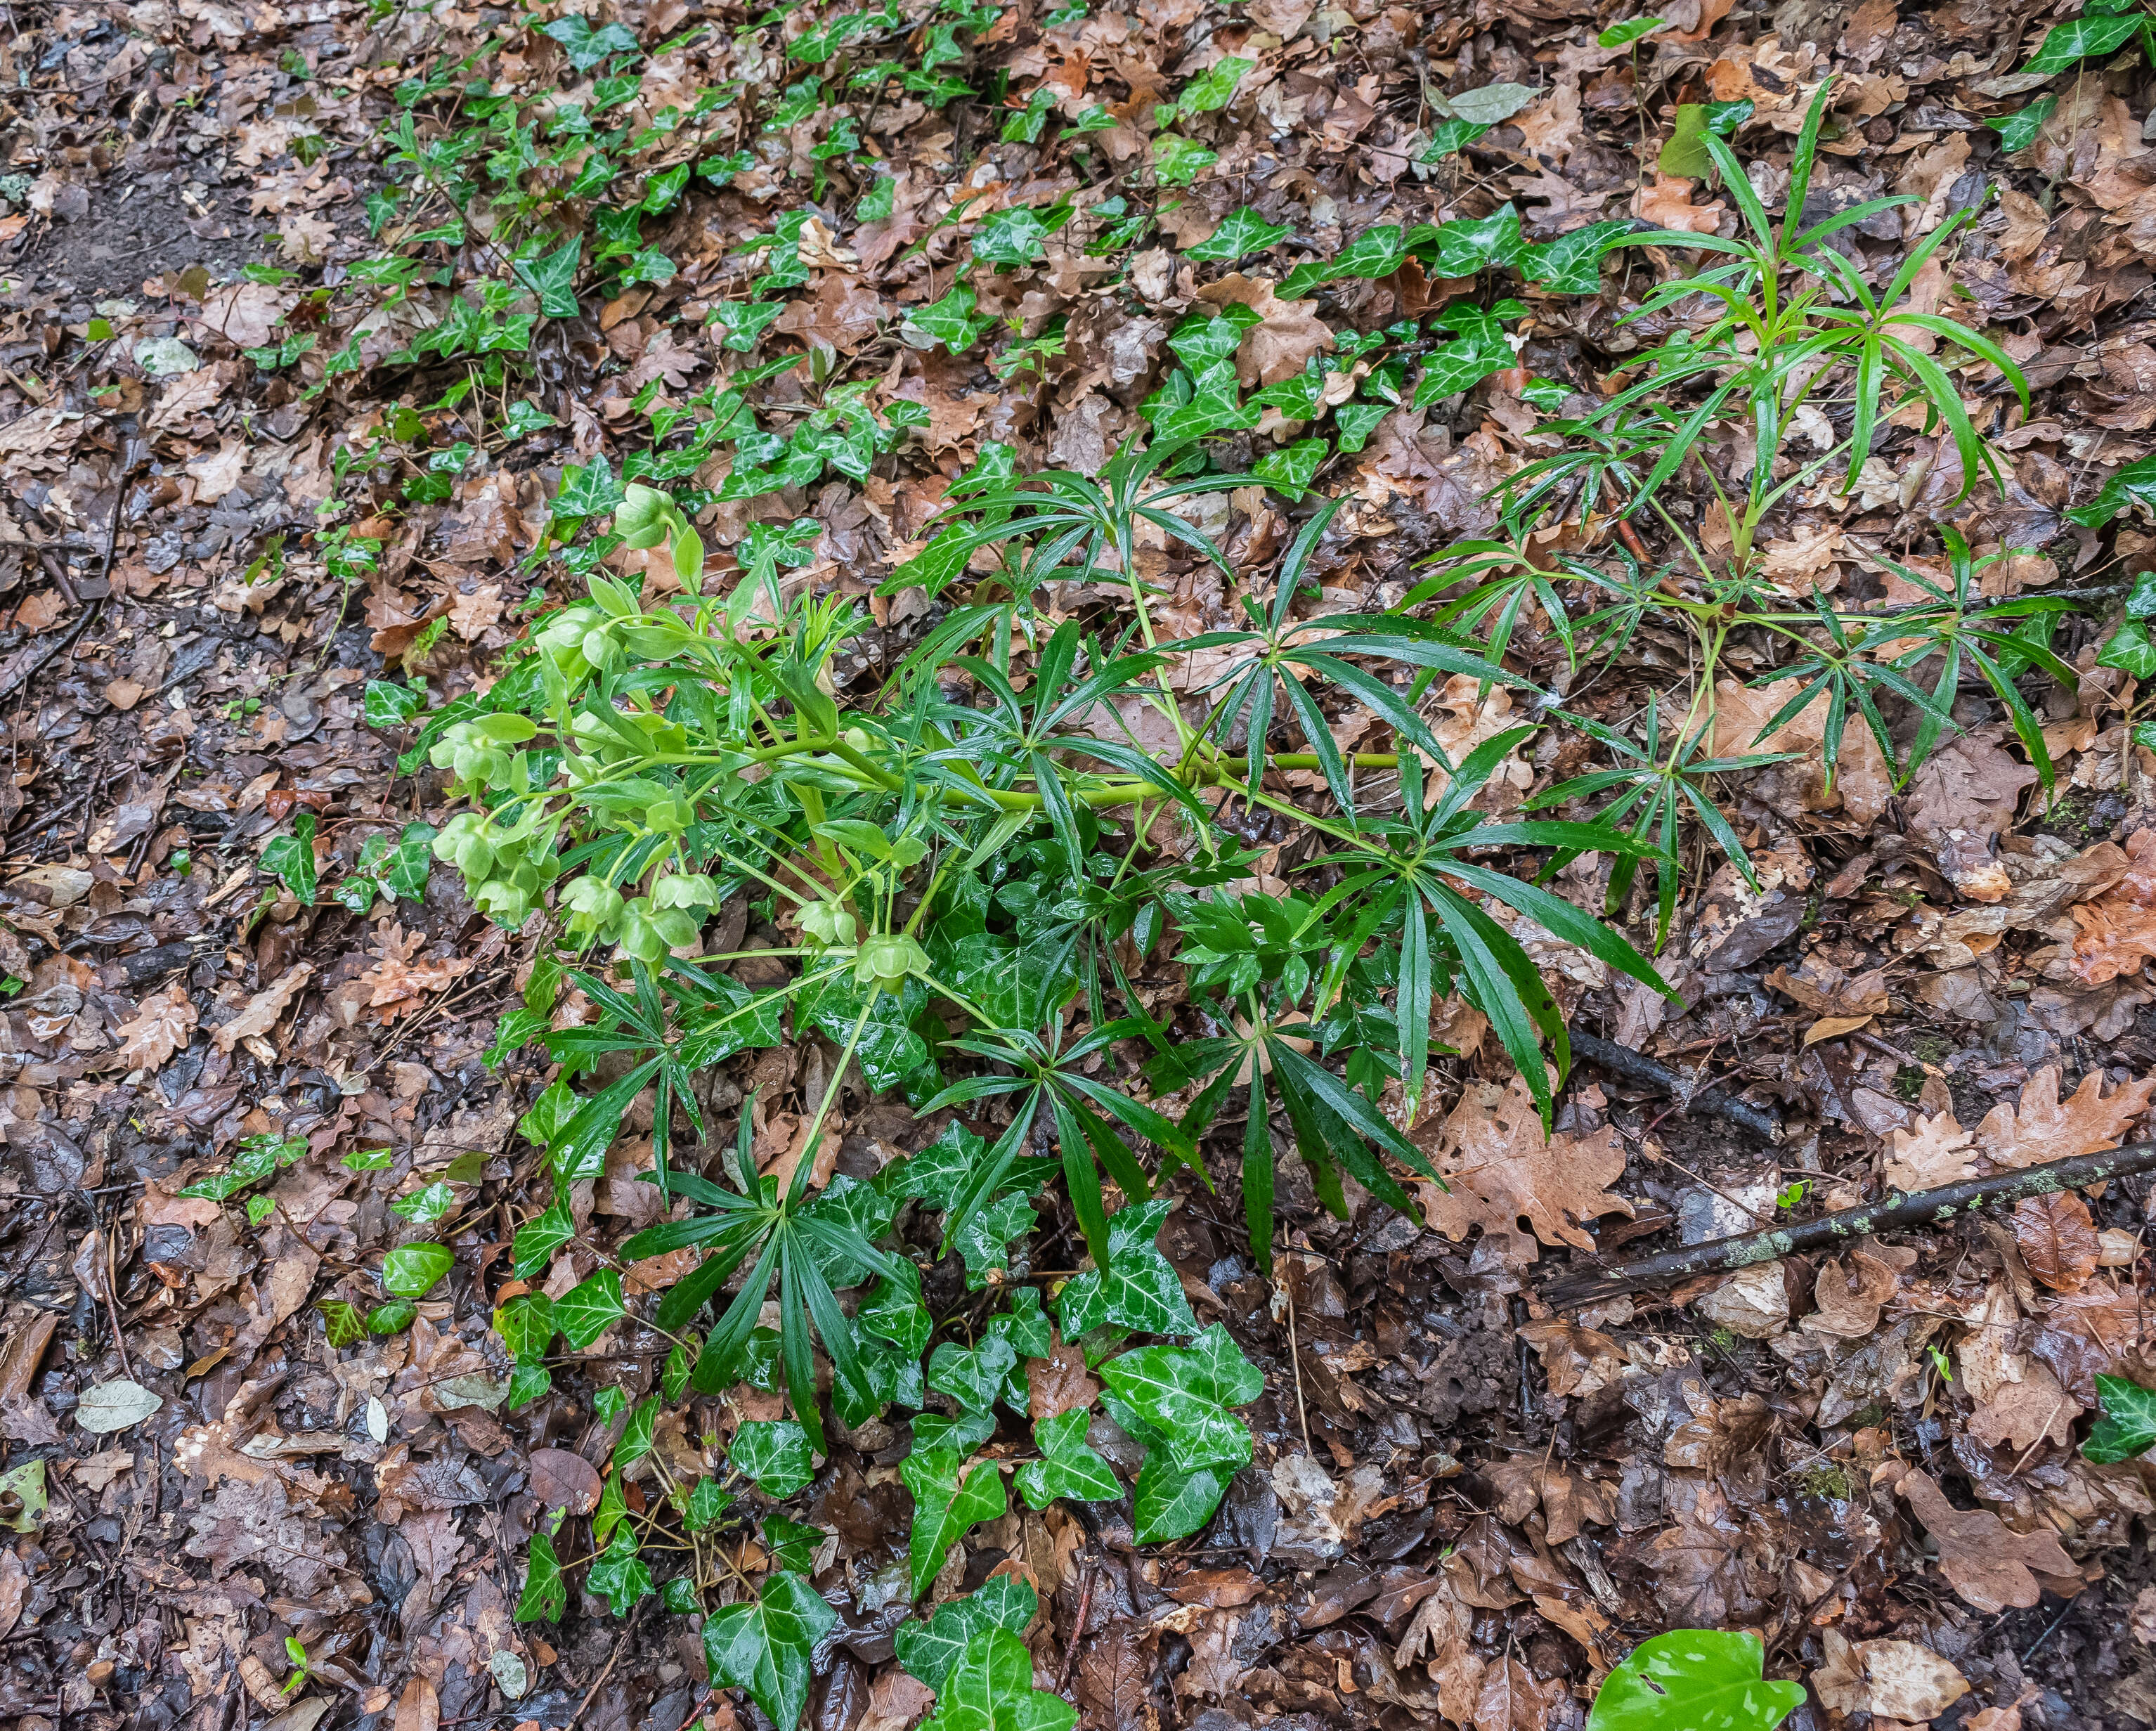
x: 1925, y: 1208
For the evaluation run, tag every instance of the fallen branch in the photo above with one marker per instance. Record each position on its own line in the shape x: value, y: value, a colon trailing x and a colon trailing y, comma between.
x: 1717, y: 1101
x: 1926, y: 1208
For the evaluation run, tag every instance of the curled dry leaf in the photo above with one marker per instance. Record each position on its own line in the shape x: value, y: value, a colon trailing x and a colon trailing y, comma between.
x: 562, y: 1479
x: 2057, y: 1239
x: 1850, y: 1292
x: 1935, y: 1151
x: 1990, y: 1566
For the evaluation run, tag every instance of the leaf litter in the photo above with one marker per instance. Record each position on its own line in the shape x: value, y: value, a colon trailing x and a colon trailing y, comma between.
x: 308, y: 416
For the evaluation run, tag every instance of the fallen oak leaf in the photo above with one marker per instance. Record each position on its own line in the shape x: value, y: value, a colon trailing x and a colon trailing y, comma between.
x: 263, y: 1008
x: 2057, y: 1239
x: 1985, y: 1561
x: 2044, y: 1127
x: 163, y: 1025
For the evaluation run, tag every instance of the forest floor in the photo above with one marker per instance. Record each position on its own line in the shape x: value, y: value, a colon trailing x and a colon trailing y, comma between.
x: 229, y: 506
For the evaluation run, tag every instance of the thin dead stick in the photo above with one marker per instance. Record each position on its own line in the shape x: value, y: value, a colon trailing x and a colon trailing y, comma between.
x: 599, y: 1682
x: 1078, y: 1628
x: 1715, y: 1100
x: 1926, y: 1208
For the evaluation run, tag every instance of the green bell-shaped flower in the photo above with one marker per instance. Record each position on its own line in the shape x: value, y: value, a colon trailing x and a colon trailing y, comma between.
x: 828, y: 922
x: 464, y: 843
x: 594, y: 908
x: 888, y: 961
x: 649, y: 934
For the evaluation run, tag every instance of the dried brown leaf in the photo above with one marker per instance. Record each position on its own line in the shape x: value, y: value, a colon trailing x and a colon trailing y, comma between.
x: 2057, y: 1238
x: 1990, y: 1566
x: 2044, y: 1127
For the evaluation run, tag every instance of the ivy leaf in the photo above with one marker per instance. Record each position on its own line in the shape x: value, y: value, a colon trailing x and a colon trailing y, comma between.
x: 1182, y: 1394
x: 763, y: 1644
x: 793, y: 1544
x: 2130, y: 649
x: 706, y: 1501
x: 775, y: 1453
x: 290, y: 859
x: 949, y: 321
x: 1290, y: 469
x: 1240, y: 233
x: 1011, y: 237
x: 745, y: 321
x: 1177, y: 160
x: 991, y: 1689
x: 2133, y: 485
x: 929, y: 1650
x: 545, y: 1595
x: 1139, y: 1289
x: 1466, y: 247
x: 586, y: 47
x: 412, y: 1271
x: 619, y: 1576
x: 1068, y: 1466
x: 2127, y: 1427
x: 973, y: 1376
x: 2066, y: 44
x: 636, y: 1434
x: 342, y: 1325
x: 2018, y: 130
x: 387, y: 704
x: 552, y: 277
x: 948, y: 1498
x: 1694, y: 1676
x: 1166, y: 1505
x: 1451, y: 138
x: 985, y: 1238
x: 588, y: 1309
x: 1213, y: 87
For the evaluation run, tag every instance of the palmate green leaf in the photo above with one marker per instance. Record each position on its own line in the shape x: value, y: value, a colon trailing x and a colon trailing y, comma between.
x: 775, y: 1453
x: 1241, y: 233
x: 949, y: 1498
x: 1705, y: 1678
x: 1136, y: 1288
x: 1182, y: 1395
x: 975, y: 1377
x: 764, y: 1645
x: 930, y: 1651
x: 991, y: 1688
x: 2128, y: 1428
x: 1067, y: 1466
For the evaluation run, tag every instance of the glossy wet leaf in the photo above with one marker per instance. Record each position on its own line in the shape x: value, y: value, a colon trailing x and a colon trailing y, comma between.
x: 775, y: 1453
x: 764, y: 1645
x: 1138, y: 1288
x: 1067, y: 1466
x: 1704, y: 1677
x: 930, y: 1649
x: 949, y: 1498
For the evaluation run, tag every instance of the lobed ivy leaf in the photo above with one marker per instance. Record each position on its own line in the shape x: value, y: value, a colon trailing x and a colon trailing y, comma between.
x: 991, y: 1689
x: 1241, y: 233
x: 591, y: 1306
x: 1068, y: 1466
x: 949, y: 1498
x: 545, y: 1595
x: 2128, y: 1428
x: 1182, y: 1395
x: 930, y: 1651
x: 1139, y: 1289
x: 764, y: 1645
x: 619, y: 1575
x: 775, y: 1453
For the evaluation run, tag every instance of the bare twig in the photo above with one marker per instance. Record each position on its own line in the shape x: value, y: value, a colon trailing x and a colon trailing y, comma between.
x: 1933, y: 1207
x: 1077, y: 1629
x: 1633, y: 1066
